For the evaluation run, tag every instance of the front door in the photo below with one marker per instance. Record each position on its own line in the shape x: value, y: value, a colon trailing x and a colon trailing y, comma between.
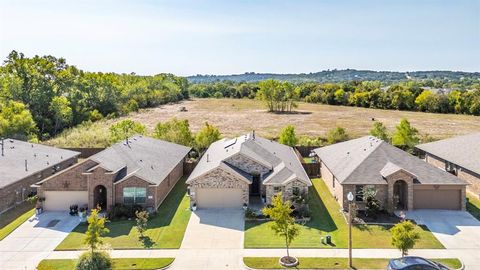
x: 255, y: 187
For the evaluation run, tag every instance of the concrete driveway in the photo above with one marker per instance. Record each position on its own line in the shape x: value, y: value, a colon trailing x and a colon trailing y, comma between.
x: 213, y: 240
x: 34, y: 240
x: 458, y: 231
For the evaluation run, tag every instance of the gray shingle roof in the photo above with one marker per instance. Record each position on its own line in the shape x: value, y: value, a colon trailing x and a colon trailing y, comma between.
x: 281, y: 158
x: 462, y: 150
x: 39, y: 157
x: 150, y: 159
x: 362, y: 161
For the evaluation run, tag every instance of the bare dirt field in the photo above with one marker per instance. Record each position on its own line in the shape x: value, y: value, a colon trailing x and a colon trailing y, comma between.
x: 237, y: 116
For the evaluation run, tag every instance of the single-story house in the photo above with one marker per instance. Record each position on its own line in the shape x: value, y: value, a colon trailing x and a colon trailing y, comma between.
x: 139, y: 170
x: 23, y: 164
x: 459, y: 156
x: 401, y: 180
x: 231, y: 171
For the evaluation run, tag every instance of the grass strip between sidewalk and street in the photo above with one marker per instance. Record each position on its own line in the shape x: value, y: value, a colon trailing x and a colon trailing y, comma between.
x: 333, y: 263
x: 117, y: 264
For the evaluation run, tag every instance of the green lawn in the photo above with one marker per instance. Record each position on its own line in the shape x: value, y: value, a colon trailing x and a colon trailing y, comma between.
x: 327, y: 219
x: 165, y: 229
x: 333, y: 263
x: 308, y: 160
x: 13, y: 218
x: 124, y: 264
x: 473, y: 205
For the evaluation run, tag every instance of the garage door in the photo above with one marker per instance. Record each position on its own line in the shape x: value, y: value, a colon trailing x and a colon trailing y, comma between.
x: 61, y: 200
x: 219, y: 198
x: 437, y: 199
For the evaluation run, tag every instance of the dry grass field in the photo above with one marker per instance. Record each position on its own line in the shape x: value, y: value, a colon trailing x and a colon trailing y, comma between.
x: 237, y: 116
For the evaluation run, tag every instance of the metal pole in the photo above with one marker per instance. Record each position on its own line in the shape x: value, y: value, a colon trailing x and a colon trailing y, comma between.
x: 350, y: 235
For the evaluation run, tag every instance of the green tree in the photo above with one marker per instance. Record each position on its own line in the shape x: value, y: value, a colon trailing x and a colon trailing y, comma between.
x: 95, y: 230
x: 283, y: 223
x: 405, y: 136
x: 16, y: 121
x: 336, y: 135
x: 404, y: 236
x: 125, y: 129
x: 62, y: 113
x: 93, y: 261
x: 380, y: 131
x: 206, y: 136
x: 176, y: 131
x: 142, y: 222
x: 287, y: 136
x: 425, y: 101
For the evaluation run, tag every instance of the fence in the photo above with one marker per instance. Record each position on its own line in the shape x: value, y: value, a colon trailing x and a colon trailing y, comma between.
x: 305, y: 150
x: 312, y: 169
x: 188, y: 167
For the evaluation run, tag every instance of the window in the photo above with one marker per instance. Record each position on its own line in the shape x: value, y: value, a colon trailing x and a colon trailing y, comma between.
x: 277, y: 189
x: 296, y: 191
x: 359, y: 193
x: 134, y: 195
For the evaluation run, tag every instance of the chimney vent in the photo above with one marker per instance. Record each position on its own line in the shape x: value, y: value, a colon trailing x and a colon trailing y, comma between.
x: 253, y: 134
x: 208, y: 158
x: 3, y: 144
x: 26, y: 165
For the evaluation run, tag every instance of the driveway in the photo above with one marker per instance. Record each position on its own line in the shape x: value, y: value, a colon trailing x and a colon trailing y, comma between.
x: 458, y: 231
x: 213, y: 240
x: 34, y: 240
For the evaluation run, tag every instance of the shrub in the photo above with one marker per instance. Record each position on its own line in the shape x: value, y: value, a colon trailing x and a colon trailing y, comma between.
x: 121, y: 211
x: 250, y: 213
x: 94, y: 261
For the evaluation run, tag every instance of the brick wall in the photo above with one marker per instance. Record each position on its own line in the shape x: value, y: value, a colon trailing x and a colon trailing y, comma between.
x: 18, y: 191
x: 135, y: 182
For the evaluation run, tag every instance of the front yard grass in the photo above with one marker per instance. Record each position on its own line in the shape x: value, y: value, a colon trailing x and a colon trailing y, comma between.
x: 327, y: 219
x: 473, y: 205
x: 15, y: 217
x: 123, y: 263
x: 165, y: 229
x: 333, y: 263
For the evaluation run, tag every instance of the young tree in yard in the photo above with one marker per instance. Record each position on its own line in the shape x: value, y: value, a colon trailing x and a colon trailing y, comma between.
x: 288, y: 136
x: 404, y: 236
x: 176, y: 131
x: 372, y: 205
x: 124, y: 129
x: 380, y: 131
x: 337, y: 135
x: 142, y: 220
x: 405, y: 136
x: 96, y: 229
x: 206, y: 136
x: 283, y: 223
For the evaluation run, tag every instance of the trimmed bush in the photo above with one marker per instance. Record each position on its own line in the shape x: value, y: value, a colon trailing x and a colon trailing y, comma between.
x: 94, y: 261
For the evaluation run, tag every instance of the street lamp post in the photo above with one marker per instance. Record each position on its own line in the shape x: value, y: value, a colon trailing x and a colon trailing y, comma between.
x: 350, y: 209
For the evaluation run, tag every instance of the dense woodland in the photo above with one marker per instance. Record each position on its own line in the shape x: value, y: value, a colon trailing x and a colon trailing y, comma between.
x: 42, y: 95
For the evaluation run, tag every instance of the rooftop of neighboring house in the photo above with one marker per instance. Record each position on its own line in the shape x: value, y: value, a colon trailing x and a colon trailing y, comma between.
x: 462, y: 150
x: 20, y: 159
x: 369, y: 160
x: 149, y: 159
x: 281, y: 159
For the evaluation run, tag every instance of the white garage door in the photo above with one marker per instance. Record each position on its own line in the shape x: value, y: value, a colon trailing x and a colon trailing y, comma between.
x: 61, y: 200
x: 219, y: 198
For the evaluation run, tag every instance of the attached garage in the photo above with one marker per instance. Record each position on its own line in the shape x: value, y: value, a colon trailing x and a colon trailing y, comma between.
x: 437, y: 199
x: 61, y: 200
x: 219, y: 197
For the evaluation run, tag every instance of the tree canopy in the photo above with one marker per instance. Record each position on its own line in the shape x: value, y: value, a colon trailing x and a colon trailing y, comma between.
x: 206, y: 136
x: 404, y: 236
x: 125, y: 129
x: 380, y: 131
x: 336, y: 135
x: 405, y: 136
x: 176, y: 131
x: 287, y: 136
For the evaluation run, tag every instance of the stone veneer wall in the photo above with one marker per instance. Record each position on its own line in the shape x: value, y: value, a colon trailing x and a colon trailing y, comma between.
x: 400, y: 175
x: 218, y: 178
x: 8, y: 194
x: 247, y: 164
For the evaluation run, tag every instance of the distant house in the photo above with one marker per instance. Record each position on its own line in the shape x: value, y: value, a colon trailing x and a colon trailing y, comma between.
x: 459, y: 156
x: 23, y: 164
x: 139, y: 171
x: 402, y: 181
x: 231, y: 171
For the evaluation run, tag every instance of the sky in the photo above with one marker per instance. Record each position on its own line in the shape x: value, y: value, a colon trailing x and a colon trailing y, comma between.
x: 230, y: 37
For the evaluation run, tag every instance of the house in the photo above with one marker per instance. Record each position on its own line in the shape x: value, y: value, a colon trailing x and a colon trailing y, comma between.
x: 23, y: 164
x: 232, y: 170
x: 139, y: 170
x: 459, y: 156
x: 401, y: 181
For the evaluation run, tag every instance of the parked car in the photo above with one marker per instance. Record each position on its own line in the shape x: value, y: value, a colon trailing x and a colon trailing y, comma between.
x: 414, y: 263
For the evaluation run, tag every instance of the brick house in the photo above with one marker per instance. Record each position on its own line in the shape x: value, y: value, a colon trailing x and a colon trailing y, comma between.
x: 402, y: 181
x: 232, y: 171
x: 23, y: 164
x: 140, y: 170
x: 459, y: 156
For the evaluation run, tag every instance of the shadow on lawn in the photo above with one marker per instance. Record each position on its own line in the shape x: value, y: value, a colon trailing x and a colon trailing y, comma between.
x: 147, y: 242
x: 473, y: 209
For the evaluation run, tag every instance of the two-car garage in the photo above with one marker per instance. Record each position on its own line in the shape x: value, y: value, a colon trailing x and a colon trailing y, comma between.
x: 61, y: 200
x: 219, y: 197
x: 439, y: 197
